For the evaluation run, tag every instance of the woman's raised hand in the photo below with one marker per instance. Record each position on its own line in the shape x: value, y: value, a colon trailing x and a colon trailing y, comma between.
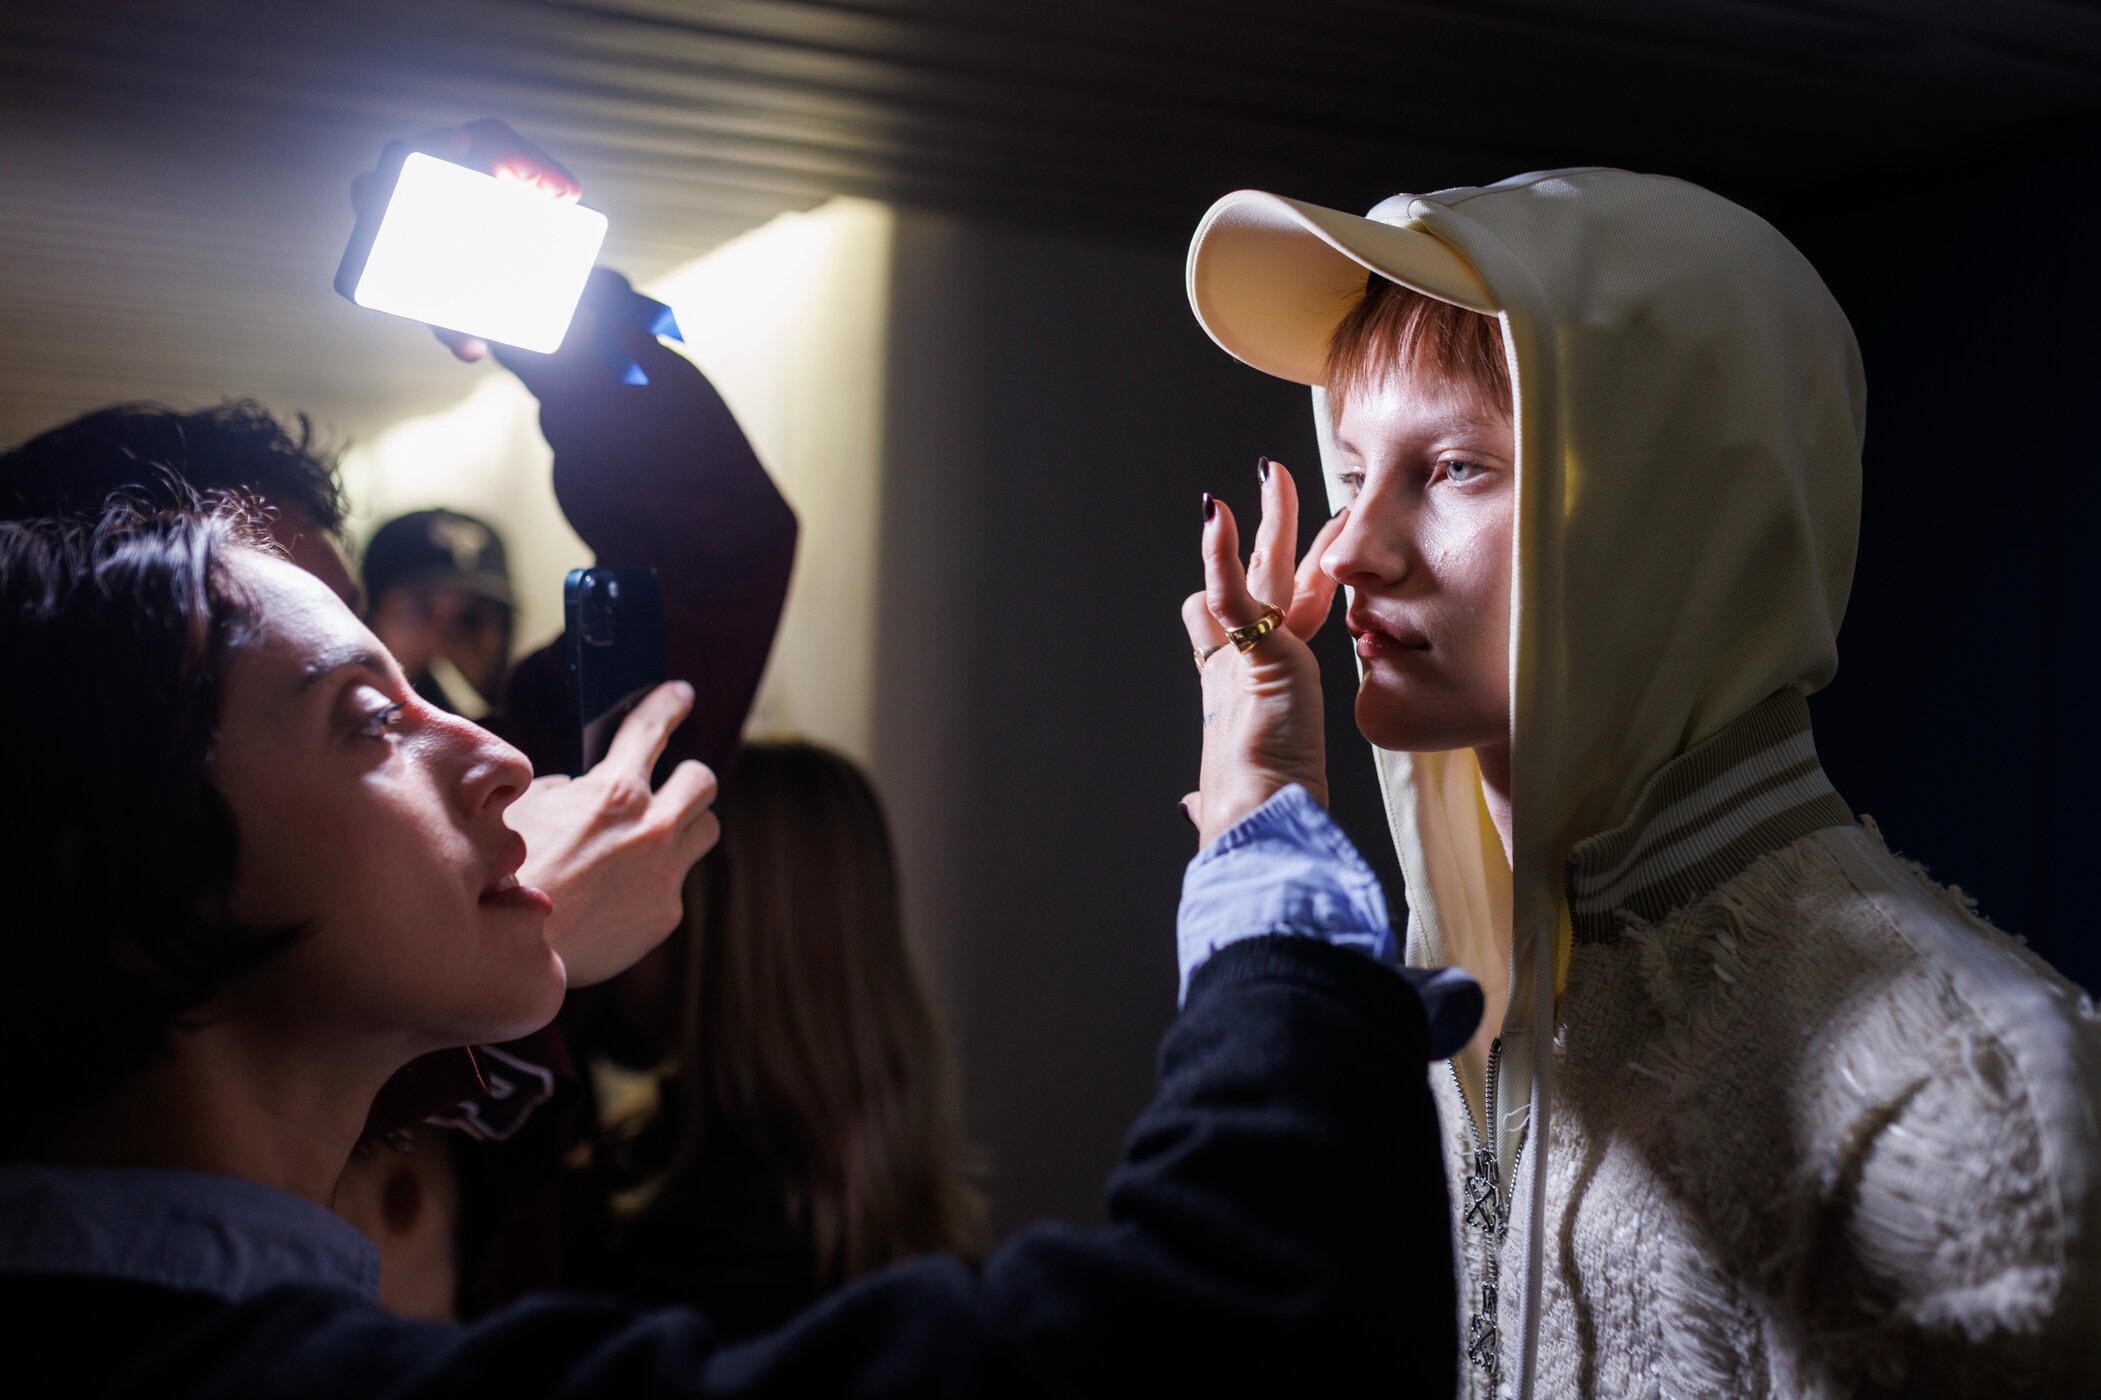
x: 1262, y: 706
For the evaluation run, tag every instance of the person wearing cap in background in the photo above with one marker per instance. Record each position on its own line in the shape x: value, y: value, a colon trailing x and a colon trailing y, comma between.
x: 1757, y: 1108
x: 438, y: 594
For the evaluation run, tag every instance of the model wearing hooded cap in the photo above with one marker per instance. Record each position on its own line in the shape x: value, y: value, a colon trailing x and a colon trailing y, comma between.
x: 1812, y: 1127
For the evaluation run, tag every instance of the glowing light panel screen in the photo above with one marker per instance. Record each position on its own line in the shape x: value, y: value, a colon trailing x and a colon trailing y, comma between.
x: 491, y: 258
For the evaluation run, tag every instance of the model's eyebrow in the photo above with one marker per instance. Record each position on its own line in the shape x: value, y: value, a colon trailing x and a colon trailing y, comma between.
x: 343, y: 658
x: 1460, y: 423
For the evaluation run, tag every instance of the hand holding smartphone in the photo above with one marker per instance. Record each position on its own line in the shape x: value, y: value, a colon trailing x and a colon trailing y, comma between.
x: 612, y: 652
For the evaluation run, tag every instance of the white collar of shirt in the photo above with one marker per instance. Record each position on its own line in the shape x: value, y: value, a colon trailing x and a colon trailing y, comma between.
x: 194, y: 1231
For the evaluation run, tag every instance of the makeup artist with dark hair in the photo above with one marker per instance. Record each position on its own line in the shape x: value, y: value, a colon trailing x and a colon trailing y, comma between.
x: 330, y: 890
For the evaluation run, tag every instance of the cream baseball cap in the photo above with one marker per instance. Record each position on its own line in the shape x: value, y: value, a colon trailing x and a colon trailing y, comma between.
x: 1270, y: 277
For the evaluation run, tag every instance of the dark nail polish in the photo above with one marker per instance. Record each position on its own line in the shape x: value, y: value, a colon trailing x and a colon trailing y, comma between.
x: 1338, y: 510
x: 1262, y: 470
x: 1210, y: 507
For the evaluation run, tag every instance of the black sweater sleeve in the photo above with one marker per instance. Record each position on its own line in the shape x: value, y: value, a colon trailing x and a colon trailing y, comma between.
x: 1278, y: 1223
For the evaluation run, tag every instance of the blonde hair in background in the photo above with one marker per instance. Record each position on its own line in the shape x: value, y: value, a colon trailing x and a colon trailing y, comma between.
x: 805, y: 1031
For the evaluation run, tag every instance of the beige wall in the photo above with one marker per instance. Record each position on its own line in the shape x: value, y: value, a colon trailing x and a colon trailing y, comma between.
x: 790, y: 322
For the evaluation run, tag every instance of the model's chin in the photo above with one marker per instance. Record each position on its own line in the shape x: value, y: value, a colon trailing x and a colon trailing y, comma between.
x: 533, y: 1005
x: 1411, y: 718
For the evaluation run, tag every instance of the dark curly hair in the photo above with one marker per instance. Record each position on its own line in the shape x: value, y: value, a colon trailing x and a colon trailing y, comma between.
x: 116, y: 851
x: 165, y: 458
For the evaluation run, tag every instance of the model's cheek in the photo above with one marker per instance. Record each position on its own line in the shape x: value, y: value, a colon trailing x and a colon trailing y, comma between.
x: 1479, y: 580
x: 1465, y: 542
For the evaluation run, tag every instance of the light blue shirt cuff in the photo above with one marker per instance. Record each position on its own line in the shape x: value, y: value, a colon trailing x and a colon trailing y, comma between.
x: 1285, y: 868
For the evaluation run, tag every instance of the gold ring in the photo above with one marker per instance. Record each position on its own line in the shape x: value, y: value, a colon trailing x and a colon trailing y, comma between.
x: 1245, y: 638
x: 1203, y: 654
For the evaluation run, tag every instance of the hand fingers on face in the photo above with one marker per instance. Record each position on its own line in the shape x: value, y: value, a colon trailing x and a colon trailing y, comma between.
x: 1269, y: 566
x: 1225, y: 582
x: 1193, y: 808
x: 644, y: 732
x: 1313, y: 592
x: 1203, y: 628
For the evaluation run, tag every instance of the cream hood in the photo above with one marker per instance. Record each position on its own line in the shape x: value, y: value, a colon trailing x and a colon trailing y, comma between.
x: 1689, y: 412
x: 1689, y: 416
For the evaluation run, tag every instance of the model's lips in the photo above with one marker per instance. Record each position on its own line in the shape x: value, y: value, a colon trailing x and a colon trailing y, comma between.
x: 1377, y: 635
x: 503, y: 871
x: 524, y: 898
x: 503, y: 889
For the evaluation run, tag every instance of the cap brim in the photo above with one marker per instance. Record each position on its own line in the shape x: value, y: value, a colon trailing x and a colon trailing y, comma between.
x: 1270, y: 277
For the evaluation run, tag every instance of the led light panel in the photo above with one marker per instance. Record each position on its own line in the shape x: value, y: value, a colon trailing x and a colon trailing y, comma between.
x: 491, y: 258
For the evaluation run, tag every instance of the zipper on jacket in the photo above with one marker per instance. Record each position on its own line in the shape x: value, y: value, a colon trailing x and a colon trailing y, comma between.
x: 1486, y: 1208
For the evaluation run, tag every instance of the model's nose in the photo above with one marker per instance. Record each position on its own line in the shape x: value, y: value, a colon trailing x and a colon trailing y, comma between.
x: 1372, y: 548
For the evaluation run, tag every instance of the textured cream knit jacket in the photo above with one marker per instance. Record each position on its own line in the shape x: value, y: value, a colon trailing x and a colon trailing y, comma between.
x: 1818, y: 1130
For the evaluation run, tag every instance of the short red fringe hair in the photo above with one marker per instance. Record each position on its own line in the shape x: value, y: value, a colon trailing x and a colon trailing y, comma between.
x: 1397, y: 331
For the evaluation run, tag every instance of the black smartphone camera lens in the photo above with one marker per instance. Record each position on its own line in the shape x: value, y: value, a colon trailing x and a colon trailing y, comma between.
x: 600, y: 610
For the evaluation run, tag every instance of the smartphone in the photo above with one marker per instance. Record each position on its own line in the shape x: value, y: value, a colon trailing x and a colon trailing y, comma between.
x: 613, y: 653
x: 455, y: 248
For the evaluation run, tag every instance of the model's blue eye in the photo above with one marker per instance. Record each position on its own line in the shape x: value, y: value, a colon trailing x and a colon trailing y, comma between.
x: 1458, y: 469
x: 378, y: 722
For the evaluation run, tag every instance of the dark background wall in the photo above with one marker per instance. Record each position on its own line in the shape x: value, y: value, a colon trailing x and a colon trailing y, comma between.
x: 1055, y: 414
x: 1963, y: 716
